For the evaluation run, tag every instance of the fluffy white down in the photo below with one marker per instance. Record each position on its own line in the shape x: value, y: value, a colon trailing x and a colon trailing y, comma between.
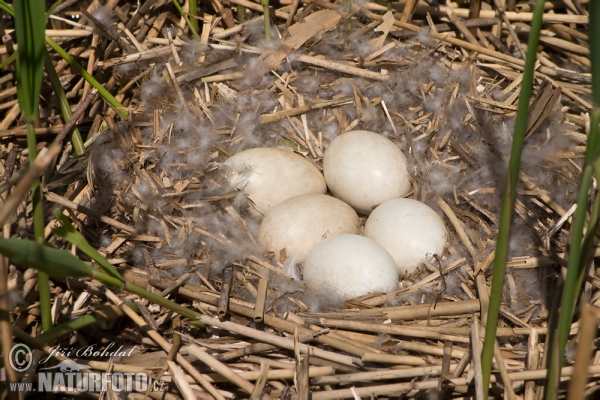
x: 410, y: 230
x: 348, y: 266
x: 269, y: 176
x: 299, y: 223
x: 364, y: 169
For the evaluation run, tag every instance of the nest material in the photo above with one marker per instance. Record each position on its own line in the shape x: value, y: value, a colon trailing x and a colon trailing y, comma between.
x: 151, y: 197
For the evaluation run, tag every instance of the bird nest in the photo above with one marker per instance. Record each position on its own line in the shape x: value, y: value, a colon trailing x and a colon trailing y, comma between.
x: 441, y: 82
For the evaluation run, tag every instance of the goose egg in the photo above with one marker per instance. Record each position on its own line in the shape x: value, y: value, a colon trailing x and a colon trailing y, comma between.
x: 364, y: 169
x: 269, y: 176
x: 348, y: 266
x: 299, y: 223
x: 410, y: 230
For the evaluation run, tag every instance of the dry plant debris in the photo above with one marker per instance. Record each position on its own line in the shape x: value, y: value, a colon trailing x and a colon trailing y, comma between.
x: 441, y: 81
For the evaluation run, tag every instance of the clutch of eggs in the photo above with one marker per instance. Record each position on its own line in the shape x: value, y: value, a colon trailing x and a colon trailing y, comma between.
x: 365, y: 172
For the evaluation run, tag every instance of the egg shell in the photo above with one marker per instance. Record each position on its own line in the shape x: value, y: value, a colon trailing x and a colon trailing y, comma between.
x: 299, y: 223
x: 365, y: 169
x: 410, y: 230
x: 269, y: 176
x: 348, y: 266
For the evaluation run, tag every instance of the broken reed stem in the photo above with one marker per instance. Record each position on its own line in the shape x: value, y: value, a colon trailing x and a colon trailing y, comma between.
x: 458, y: 227
x: 476, y: 358
x: 392, y: 359
x: 346, y: 69
x: 220, y: 368
x: 379, y: 375
x: 292, y: 112
x: 225, y: 290
x: 259, y: 307
x: 75, y: 117
x: 272, y: 374
x: 585, y: 350
x: 389, y: 329
x: 533, y: 362
x: 303, y: 379
x: 263, y: 377
x: 248, y: 350
x: 508, y: 386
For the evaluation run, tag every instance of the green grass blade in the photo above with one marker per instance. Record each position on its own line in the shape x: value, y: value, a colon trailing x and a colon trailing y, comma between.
x: 83, y: 72
x: 593, y: 144
x: 45, y: 301
x: 68, y: 232
x: 51, y: 9
x: 579, y: 253
x: 70, y: 326
x: 8, y: 61
x: 189, y: 23
x: 99, y: 315
x: 580, y: 246
x: 30, y: 30
x: 62, y: 264
x: 30, y: 23
x: 7, y: 7
x: 54, y: 262
x: 63, y: 102
x: 509, y: 196
x: 158, y: 299
x: 193, y: 14
x: 153, y: 297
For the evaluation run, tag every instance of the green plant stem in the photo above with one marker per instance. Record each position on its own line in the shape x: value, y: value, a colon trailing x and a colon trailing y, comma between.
x: 267, y: 15
x: 187, y: 20
x: 579, y: 253
x: 76, y: 66
x: 508, y: 198
x: 580, y: 247
x: 63, y: 103
x: 83, y: 72
x: 38, y: 231
x: 193, y: 14
x: 30, y: 28
x: 241, y: 14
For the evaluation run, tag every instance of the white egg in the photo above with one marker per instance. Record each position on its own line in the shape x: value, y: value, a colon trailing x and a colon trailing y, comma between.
x: 348, y: 266
x: 410, y: 230
x: 269, y: 176
x: 364, y: 169
x: 299, y: 223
